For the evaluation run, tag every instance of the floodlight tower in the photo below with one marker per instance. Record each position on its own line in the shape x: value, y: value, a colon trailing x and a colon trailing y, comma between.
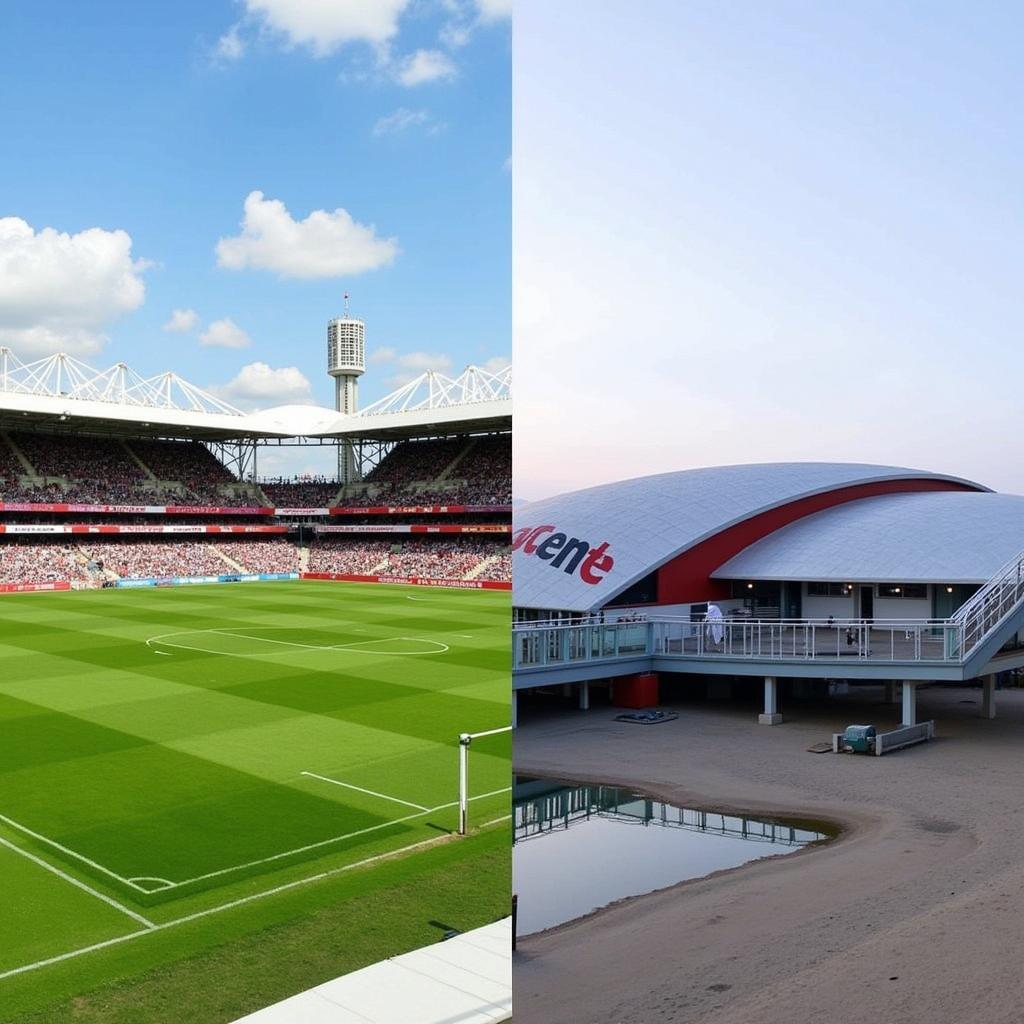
x: 346, y: 361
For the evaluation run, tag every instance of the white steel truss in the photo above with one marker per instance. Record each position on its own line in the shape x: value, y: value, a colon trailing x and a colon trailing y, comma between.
x: 432, y: 390
x: 64, y: 376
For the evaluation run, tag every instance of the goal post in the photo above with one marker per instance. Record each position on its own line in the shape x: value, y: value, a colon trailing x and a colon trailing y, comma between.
x: 465, y: 741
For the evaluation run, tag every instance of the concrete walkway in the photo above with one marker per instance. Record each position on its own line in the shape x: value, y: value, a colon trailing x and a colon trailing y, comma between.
x: 466, y: 980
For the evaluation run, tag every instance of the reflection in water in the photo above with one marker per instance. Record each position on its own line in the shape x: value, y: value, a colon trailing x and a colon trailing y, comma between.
x: 580, y: 847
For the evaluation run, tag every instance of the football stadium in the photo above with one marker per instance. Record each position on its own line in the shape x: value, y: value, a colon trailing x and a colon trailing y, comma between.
x: 232, y: 708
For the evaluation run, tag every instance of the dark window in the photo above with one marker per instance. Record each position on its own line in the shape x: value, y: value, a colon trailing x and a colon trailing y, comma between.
x: 908, y: 590
x: 644, y: 591
x: 829, y: 589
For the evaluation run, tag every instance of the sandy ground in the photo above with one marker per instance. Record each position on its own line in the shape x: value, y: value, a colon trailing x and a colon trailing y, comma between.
x: 916, y: 913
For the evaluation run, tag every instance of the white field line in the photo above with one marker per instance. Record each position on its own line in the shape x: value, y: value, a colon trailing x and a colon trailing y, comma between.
x: 69, y: 852
x: 496, y: 821
x: 331, y: 841
x: 359, y: 789
x: 163, y: 926
x: 168, y: 885
x: 357, y: 647
x: 79, y: 885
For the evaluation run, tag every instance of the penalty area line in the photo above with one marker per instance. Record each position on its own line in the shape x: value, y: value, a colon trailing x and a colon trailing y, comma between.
x: 109, y: 900
x: 152, y: 929
x: 17, y: 826
x: 334, y: 839
x: 359, y: 789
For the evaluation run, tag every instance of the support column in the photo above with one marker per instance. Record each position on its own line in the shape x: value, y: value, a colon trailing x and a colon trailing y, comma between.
x: 909, y: 704
x: 988, y: 697
x: 771, y: 714
x: 584, y: 696
x: 891, y: 696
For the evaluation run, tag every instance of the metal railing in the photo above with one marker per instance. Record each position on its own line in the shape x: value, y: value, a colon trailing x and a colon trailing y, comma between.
x: 981, y: 614
x: 949, y: 641
x: 881, y: 640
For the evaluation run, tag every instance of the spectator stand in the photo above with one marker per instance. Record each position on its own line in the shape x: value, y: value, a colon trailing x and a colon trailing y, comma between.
x: 106, y: 476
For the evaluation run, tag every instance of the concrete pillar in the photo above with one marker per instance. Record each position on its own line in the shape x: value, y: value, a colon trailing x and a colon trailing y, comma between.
x: 988, y: 697
x: 584, y: 696
x: 890, y: 693
x: 771, y: 714
x: 909, y: 704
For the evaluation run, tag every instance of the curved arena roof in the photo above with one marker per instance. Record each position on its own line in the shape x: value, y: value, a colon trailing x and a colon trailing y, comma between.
x: 939, y: 537
x: 648, y: 521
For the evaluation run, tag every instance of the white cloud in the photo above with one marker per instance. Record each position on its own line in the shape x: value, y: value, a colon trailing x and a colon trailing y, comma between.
x: 406, y: 366
x: 323, y: 245
x: 495, y: 364
x: 58, y: 291
x: 182, y: 321
x: 224, y: 333
x: 258, y: 385
x: 424, y: 66
x: 456, y: 34
x: 231, y: 46
x: 403, y: 119
x: 326, y: 25
x: 466, y: 16
x: 385, y: 354
x: 494, y: 10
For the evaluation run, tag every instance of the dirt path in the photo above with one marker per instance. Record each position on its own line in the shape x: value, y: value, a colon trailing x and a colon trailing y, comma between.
x: 925, y: 886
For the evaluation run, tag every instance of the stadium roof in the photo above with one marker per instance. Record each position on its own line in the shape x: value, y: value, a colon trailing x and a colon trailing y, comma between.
x: 937, y: 537
x: 61, y: 392
x: 434, y: 403
x: 648, y: 521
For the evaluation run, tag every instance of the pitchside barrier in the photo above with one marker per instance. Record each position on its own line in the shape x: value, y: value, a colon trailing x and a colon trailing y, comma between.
x: 416, y: 581
x: 28, y: 588
x: 465, y: 742
x: 182, y: 581
x: 179, y: 581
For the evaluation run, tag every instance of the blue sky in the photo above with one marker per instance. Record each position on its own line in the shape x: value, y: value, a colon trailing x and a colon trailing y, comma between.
x: 752, y: 232
x: 159, y: 120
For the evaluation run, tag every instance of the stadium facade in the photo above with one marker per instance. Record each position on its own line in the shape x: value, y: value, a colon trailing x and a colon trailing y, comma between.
x: 828, y: 571
x: 108, y: 478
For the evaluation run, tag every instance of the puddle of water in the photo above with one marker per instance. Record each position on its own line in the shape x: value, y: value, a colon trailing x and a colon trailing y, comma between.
x: 580, y: 847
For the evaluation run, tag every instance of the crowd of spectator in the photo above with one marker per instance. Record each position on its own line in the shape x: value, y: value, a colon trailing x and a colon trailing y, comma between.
x: 108, y: 472
x: 429, y: 557
x: 140, y: 559
x: 348, y: 556
x: 500, y: 568
x: 79, y: 458
x: 441, y: 559
x: 261, y: 554
x: 480, y: 472
x: 43, y: 562
x: 301, y: 493
x: 10, y: 467
x: 40, y: 563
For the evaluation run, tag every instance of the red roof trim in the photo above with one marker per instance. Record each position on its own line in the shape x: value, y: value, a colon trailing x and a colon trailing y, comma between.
x: 687, y: 579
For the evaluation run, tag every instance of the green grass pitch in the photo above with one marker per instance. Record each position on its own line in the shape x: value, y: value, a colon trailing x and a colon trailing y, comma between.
x: 183, y: 768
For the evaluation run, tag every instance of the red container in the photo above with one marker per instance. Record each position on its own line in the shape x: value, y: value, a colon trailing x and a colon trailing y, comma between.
x: 636, y: 692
